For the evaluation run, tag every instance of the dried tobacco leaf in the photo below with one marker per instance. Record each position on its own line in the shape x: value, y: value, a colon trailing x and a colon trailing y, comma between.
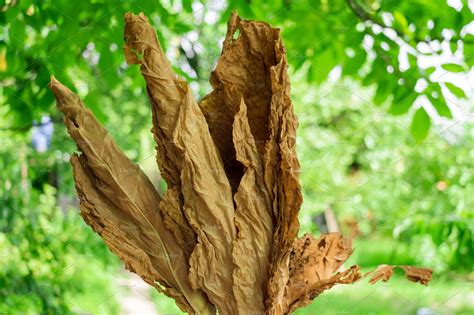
x: 314, y: 289
x: 282, y: 178
x: 190, y: 163
x: 251, y: 248
x: 415, y: 274
x: 242, y: 70
x: 314, y: 264
x: 383, y: 272
x: 121, y: 204
x: 313, y: 260
x: 227, y: 224
x: 253, y: 67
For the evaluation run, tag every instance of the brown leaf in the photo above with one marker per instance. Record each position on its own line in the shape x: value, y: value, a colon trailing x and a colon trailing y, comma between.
x: 227, y: 225
x: 190, y: 163
x: 417, y: 274
x: 314, y: 264
x: 121, y: 204
x: 281, y: 171
x: 175, y: 222
x: 125, y: 236
x: 242, y: 70
x: 313, y: 290
x: 312, y: 261
x: 251, y: 248
x: 253, y: 67
x: 383, y: 272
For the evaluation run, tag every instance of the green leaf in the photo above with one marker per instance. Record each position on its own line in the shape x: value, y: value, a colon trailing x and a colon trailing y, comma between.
x: 187, y: 6
x: 402, y: 101
x: 412, y: 60
x: 107, y: 66
x: 420, y: 125
x: 324, y: 63
x: 455, y: 90
x: 353, y: 65
x: 429, y: 70
x: 453, y: 46
x: 383, y: 91
x: 401, y: 20
x: 17, y: 34
x: 440, y: 105
x: 468, y: 42
x: 297, y: 59
x: 92, y: 101
x: 378, y: 67
x: 453, y: 67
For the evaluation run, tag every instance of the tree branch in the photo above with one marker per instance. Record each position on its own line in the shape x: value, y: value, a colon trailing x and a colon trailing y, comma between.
x: 365, y: 16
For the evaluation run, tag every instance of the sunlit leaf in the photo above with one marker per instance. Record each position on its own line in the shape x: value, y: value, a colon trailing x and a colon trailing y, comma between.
x: 412, y: 60
x: 453, y: 46
x: 322, y: 65
x: 469, y: 49
x: 353, y: 65
x: 453, y: 67
x: 402, y: 101
x: 429, y: 70
x: 455, y: 90
x: 384, y: 89
x: 440, y: 105
x: 420, y: 125
x: 401, y: 21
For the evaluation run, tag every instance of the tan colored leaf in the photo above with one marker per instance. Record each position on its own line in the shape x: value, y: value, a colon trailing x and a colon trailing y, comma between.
x: 314, y: 266
x: 253, y: 66
x: 189, y: 162
x: 242, y: 70
x: 224, y: 233
x: 121, y: 204
x: 383, y: 272
x: 313, y: 290
x: 175, y: 222
x: 253, y: 220
x: 417, y: 274
x: 125, y: 235
x: 314, y: 260
x: 281, y: 169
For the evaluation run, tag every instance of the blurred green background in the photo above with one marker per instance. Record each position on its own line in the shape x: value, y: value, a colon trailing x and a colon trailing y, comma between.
x: 384, y: 95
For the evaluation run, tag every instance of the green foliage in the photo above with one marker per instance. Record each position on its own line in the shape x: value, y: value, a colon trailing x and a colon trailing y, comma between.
x: 49, y: 259
x: 364, y: 165
x: 81, y: 44
x: 420, y: 124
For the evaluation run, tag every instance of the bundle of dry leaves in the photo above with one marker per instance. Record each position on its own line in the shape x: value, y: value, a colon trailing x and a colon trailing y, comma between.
x: 223, y: 237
